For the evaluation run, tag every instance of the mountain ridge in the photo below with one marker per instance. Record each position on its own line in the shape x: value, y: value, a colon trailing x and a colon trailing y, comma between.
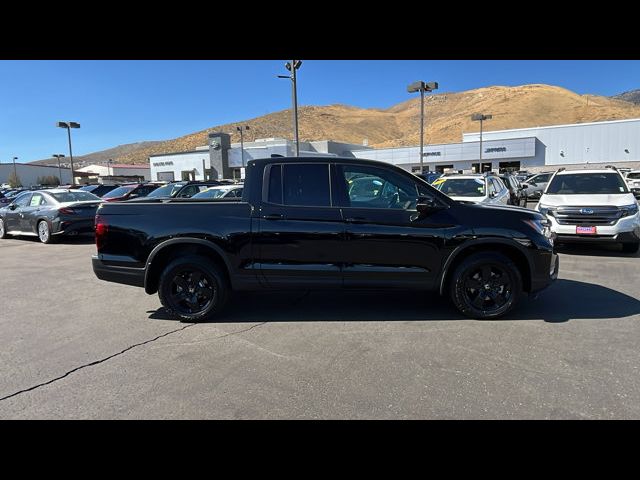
x: 447, y: 117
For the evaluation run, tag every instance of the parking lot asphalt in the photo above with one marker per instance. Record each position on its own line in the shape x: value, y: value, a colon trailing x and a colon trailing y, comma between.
x: 74, y: 347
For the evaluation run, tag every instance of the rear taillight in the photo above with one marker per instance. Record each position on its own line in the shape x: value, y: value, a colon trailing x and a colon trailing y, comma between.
x: 101, y: 231
x: 67, y: 211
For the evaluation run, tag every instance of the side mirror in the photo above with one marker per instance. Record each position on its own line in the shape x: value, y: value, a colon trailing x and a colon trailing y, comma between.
x: 532, y: 184
x: 427, y: 205
x: 134, y: 195
x: 13, y: 206
x: 524, y: 186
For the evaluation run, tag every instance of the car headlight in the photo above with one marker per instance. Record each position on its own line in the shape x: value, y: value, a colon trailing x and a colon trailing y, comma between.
x: 546, y: 209
x: 629, y: 210
x: 543, y: 227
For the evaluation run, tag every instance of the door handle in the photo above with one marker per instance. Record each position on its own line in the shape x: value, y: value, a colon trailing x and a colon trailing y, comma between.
x: 273, y: 216
x: 355, y: 220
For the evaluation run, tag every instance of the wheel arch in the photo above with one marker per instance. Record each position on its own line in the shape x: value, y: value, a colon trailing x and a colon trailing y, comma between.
x: 167, y: 250
x: 509, y: 248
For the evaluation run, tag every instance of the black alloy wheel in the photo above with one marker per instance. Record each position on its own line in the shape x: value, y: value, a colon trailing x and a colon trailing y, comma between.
x: 486, y: 285
x: 193, y: 288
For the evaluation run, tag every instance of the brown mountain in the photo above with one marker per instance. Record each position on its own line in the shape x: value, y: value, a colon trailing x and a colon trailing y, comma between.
x: 447, y: 116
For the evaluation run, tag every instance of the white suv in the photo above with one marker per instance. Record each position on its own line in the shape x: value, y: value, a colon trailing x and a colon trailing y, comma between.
x: 633, y: 182
x: 592, y: 206
x: 478, y: 188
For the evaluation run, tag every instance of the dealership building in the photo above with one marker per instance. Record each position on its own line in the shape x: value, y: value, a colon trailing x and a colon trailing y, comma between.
x: 30, y: 174
x: 534, y: 149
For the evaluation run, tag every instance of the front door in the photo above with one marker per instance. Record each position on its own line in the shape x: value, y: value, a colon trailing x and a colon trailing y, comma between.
x: 387, y: 245
x: 13, y: 218
x: 300, y: 234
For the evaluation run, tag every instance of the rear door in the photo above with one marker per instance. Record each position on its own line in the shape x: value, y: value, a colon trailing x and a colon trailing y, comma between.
x: 30, y: 212
x: 300, y: 232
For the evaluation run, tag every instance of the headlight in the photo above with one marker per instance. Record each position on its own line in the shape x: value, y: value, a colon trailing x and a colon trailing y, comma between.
x: 629, y: 210
x: 543, y: 227
x: 546, y: 209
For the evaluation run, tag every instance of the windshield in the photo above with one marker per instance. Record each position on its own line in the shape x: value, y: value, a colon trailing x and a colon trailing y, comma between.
x: 461, y: 187
x: 211, y: 193
x: 634, y: 175
x: 76, y: 196
x: 88, y: 188
x: 167, y: 191
x: 587, y: 184
x: 119, y: 192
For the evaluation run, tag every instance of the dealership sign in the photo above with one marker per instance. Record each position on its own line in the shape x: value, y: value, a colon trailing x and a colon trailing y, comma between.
x: 162, y: 164
x: 495, y: 149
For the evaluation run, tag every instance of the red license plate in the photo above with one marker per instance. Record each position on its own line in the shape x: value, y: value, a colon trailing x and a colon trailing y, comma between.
x: 586, y: 230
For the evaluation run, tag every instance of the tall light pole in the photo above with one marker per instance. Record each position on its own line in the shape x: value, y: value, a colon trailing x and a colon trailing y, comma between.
x: 479, y: 117
x: 69, y: 126
x: 293, y: 66
x: 242, y: 129
x: 15, y: 174
x: 59, y: 156
x: 422, y: 87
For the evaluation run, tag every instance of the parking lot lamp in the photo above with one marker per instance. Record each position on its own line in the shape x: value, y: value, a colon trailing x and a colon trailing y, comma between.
x: 293, y: 66
x: 59, y: 156
x: 69, y: 126
x: 241, y: 129
x: 478, y: 117
x: 15, y: 174
x: 422, y: 87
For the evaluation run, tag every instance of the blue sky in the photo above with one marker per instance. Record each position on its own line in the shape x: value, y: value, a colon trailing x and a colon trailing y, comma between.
x: 118, y: 102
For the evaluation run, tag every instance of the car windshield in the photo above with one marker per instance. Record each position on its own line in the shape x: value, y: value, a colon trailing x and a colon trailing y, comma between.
x: 88, y: 188
x: 212, y: 193
x: 167, y: 191
x: 461, y: 187
x: 119, y: 192
x: 76, y: 196
x: 634, y: 175
x: 587, y: 184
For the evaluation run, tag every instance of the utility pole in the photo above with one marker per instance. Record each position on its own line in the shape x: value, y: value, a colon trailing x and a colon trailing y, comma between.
x: 293, y: 67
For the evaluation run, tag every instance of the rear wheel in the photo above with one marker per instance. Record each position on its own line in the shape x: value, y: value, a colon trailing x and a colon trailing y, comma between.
x: 486, y: 285
x: 193, y: 288
x: 44, y: 233
x: 630, y: 247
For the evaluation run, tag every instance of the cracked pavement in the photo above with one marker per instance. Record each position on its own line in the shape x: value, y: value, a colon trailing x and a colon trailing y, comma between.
x: 73, y: 347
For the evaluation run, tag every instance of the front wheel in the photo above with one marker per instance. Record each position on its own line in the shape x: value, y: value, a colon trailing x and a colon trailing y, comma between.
x: 631, y: 247
x: 193, y: 288
x: 486, y: 285
x: 3, y: 231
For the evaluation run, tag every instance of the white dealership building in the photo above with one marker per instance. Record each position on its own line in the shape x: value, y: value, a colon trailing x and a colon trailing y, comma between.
x: 534, y: 149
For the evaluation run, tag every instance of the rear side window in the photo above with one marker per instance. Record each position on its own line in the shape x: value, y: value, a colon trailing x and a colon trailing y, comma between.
x: 304, y: 185
x: 275, y: 184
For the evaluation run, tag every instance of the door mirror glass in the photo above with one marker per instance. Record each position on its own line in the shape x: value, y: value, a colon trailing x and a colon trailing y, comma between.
x: 12, y: 206
x: 426, y: 205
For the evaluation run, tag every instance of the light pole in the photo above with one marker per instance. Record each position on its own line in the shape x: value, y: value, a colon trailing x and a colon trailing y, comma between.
x: 59, y: 156
x: 15, y: 173
x: 293, y: 66
x: 422, y: 87
x: 69, y: 126
x: 110, y: 166
x: 242, y: 129
x: 479, y: 117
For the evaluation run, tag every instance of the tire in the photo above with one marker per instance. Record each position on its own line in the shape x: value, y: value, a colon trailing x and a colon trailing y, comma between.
x: 198, y: 276
x: 3, y: 229
x: 631, y: 247
x: 486, y: 285
x: 44, y: 232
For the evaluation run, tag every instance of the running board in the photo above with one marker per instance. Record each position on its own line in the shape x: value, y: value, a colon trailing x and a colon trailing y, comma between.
x: 27, y: 234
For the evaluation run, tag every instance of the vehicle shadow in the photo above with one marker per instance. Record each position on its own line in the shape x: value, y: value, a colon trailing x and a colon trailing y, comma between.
x: 564, y: 300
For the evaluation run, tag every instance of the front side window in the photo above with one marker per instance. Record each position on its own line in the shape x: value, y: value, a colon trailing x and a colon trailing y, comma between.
x: 542, y: 178
x: 372, y: 187
x: 587, y: 184
x: 23, y: 200
x: 634, y: 176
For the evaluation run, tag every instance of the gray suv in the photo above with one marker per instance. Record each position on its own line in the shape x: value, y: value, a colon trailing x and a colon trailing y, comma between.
x: 536, y: 184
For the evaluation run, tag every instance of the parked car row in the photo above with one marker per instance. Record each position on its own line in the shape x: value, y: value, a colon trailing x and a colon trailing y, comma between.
x: 51, y: 213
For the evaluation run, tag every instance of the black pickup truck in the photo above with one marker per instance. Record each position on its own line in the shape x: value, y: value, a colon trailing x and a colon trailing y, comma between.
x: 311, y: 223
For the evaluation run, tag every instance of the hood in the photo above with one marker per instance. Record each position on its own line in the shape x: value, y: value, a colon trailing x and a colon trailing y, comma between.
x: 615, y: 199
